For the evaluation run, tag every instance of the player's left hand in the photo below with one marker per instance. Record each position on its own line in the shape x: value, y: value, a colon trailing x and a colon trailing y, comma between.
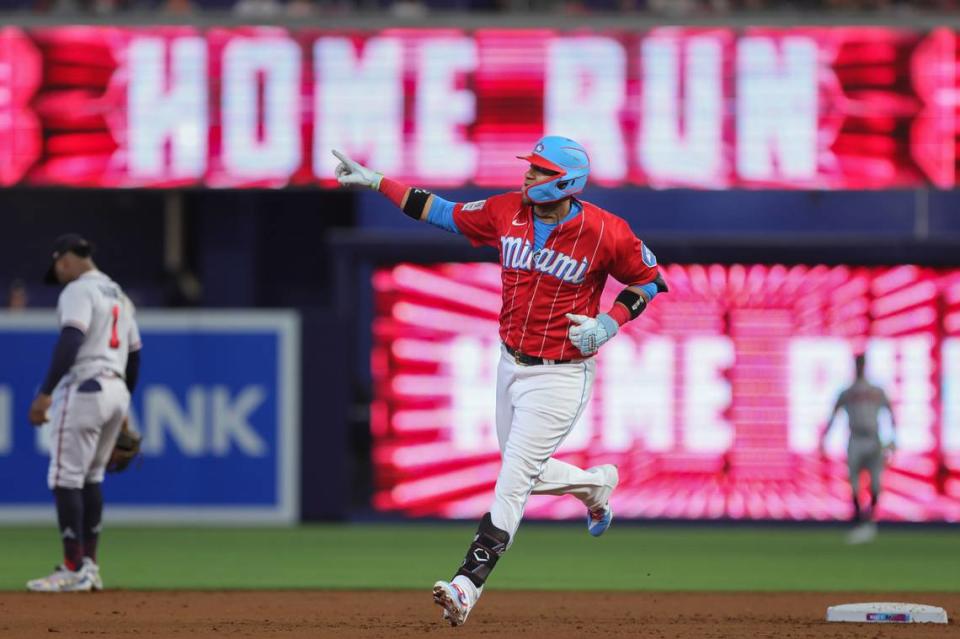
x: 588, y: 334
x: 38, y: 409
x: 350, y: 173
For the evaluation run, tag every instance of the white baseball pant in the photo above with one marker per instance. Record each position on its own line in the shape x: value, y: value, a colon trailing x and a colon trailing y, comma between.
x: 86, y: 417
x: 537, y: 407
x: 865, y: 453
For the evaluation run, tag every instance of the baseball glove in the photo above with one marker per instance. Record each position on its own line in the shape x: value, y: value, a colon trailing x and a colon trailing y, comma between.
x: 125, y: 450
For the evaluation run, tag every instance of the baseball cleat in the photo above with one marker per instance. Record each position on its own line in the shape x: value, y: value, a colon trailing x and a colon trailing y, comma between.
x: 599, y: 520
x: 862, y: 534
x: 600, y: 517
x: 93, y: 571
x: 453, y: 600
x: 62, y: 579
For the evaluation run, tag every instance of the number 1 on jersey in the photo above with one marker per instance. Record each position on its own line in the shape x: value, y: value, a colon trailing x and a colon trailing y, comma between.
x: 114, y: 338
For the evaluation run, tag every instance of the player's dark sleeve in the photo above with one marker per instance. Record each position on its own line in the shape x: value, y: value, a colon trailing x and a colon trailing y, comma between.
x: 64, y: 355
x: 132, y: 373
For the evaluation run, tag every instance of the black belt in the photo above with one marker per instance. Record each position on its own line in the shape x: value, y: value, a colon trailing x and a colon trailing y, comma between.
x: 530, y: 360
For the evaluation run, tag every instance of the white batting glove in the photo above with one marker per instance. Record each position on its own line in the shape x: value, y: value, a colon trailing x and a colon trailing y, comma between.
x: 350, y: 173
x: 588, y: 334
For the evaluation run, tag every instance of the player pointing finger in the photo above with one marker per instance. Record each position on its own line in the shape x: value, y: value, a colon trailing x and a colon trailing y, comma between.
x: 556, y: 252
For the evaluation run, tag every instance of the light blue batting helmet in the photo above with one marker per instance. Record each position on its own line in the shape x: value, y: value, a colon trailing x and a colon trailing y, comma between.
x: 565, y: 156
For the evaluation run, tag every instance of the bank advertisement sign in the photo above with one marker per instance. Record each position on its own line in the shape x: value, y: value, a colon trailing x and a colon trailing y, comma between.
x: 217, y: 405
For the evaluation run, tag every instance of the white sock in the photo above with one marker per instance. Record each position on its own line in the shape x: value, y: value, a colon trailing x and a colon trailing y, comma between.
x: 467, y: 586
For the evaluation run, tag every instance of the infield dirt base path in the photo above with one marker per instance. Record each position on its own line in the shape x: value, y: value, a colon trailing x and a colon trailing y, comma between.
x: 554, y: 615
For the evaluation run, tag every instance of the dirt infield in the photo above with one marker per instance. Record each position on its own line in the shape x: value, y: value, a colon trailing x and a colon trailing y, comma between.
x: 411, y: 614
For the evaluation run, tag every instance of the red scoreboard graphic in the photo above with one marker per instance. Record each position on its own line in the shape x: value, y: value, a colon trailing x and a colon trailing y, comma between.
x: 712, y: 403
x: 818, y: 107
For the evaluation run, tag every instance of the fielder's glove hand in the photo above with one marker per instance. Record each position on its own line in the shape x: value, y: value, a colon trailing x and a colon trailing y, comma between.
x: 125, y: 450
x: 588, y: 334
x: 350, y: 173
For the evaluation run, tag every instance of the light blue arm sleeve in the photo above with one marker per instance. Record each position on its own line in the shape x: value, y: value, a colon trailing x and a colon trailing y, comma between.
x: 441, y: 214
x: 650, y: 289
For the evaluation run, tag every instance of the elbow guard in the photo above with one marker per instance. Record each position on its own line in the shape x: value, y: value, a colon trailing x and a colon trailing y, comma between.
x: 416, y: 202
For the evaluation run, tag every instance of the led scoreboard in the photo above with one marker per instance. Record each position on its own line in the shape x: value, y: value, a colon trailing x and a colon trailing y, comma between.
x: 716, y: 108
x: 711, y: 403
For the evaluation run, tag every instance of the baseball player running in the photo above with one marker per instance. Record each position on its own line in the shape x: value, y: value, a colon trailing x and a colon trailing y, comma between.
x: 85, y: 398
x: 863, y: 402
x: 556, y: 252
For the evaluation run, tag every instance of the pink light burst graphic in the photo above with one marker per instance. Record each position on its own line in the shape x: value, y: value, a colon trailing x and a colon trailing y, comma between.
x: 712, y: 403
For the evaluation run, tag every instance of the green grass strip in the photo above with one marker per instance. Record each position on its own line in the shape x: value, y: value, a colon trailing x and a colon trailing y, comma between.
x: 550, y: 557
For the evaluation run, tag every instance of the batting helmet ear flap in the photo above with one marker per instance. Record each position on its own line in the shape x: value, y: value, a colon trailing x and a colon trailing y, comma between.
x: 566, y: 158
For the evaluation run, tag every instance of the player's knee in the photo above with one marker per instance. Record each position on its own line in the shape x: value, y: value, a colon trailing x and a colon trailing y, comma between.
x: 71, y: 483
x: 516, y: 483
x: 520, y: 464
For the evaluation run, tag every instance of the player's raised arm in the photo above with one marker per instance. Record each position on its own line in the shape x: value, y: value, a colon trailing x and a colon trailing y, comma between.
x: 414, y: 202
x: 417, y: 203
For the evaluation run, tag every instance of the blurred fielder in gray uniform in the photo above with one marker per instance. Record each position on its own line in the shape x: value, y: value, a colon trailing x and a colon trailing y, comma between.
x: 84, y: 399
x: 863, y: 402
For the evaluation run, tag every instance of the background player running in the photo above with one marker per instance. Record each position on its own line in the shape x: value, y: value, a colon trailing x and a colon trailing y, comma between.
x: 94, y: 369
x: 863, y: 402
x: 556, y: 252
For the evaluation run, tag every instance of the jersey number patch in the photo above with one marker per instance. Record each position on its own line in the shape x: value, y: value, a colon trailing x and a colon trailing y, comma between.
x: 114, y: 338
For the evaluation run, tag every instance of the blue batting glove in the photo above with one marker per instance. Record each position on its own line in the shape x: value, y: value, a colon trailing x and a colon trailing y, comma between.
x: 588, y: 334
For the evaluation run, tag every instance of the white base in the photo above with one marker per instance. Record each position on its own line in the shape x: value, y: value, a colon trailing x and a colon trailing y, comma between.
x: 886, y: 612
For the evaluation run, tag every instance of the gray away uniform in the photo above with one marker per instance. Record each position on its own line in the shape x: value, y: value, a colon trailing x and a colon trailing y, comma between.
x: 862, y: 401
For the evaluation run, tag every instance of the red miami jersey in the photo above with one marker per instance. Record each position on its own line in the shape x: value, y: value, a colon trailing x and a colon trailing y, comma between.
x: 567, y: 275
